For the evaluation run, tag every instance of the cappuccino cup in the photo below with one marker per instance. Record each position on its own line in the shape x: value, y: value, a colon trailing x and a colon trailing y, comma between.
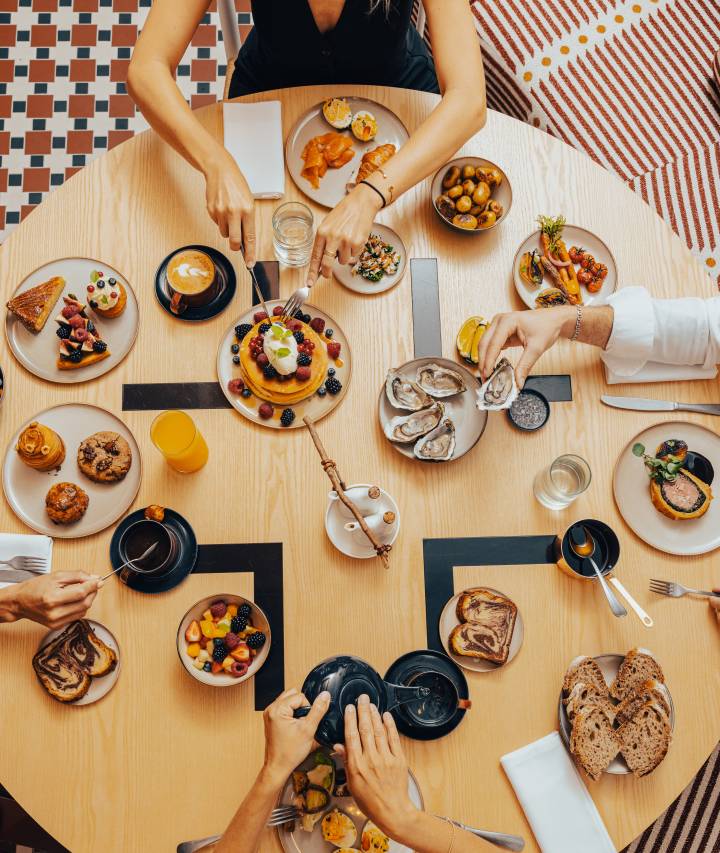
x: 192, y: 280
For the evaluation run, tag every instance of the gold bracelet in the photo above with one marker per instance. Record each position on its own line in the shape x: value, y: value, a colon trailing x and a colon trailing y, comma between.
x: 389, y: 188
x: 453, y: 826
x: 578, y: 323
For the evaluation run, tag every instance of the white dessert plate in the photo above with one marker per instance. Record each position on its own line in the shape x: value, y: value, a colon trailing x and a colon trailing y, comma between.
x: 312, y: 123
x: 100, y: 685
x: 609, y: 664
x: 38, y: 352
x: 355, y: 543
x: 631, y: 487
x: 314, y: 406
x: 461, y: 409
x: 449, y: 620
x: 354, y: 281
x: 573, y: 235
x: 25, y: 489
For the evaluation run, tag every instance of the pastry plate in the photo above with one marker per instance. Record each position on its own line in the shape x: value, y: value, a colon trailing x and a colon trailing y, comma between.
x: 314, y: 406
x: 25, y: 489
x: 462, y: 409
x: 343, y: 273
x: 448, y: 620
x: 609, y: 664
x: 228, y: 284
x: 103, y: 684
x: 294, y: 839
x: 573, y: 235
x: 38, y: 352
x: 631, y: 487
x: 312, y: 123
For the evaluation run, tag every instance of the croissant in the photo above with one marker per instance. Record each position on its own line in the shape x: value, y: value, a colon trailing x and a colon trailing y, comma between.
x: 372, y: 160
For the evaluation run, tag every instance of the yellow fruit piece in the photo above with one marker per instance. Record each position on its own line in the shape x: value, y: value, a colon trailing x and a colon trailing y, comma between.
x: 204, y: 656
x: 207, y: 626
x: 220, y: 629
x: 232, y: 609
x: 468, y: 338
x: 193, y: 650
x: 198, y: 664
x: 227, y: 663
x: 207, y: 616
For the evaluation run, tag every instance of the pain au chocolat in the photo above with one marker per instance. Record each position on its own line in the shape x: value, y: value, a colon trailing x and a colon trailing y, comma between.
x: 487, y: 622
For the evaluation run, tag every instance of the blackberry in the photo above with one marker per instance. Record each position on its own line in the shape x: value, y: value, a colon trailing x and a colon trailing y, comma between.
x: 91, y: 327
x: 238, y: 624
x: 242, y: 330
x: 75, y: 356
x: 236, y: 359
x: 328, y: 333
x: 99, y: 346
x: 246, y: 392
x: 63, y: 332
x: 256, y: 640
x: 244, y: 611
x: 263, y: 327
x: 333, y: 385
x: 299, y: 336
x: 304, y: 360
x: 331, y: 371
x: 269, y: 371
x: 321, y: 391
x: 235, y: 348
x: 287, y: 417
x: 220, y: 653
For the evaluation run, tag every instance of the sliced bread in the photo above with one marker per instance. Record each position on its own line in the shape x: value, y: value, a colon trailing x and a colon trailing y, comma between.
x: 585, y: 695
x: 584, y: 669
x: 644, y: 739
x: 638, y: 667
x: 649, y: 691
x: 593, y: 741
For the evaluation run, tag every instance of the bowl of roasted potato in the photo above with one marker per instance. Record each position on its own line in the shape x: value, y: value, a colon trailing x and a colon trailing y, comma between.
x: 471, y: 195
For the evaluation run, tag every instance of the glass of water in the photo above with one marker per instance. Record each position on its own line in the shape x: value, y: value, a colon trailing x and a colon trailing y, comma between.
x: 293, y: 234
x: 557, y: 486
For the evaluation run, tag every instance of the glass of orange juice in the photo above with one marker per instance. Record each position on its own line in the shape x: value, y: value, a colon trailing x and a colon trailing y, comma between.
x: 180, y: 441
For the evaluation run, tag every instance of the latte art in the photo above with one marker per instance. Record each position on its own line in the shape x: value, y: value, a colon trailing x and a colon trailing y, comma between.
x: 190, y: 272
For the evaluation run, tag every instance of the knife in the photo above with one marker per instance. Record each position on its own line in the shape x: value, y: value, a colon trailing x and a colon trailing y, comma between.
x: 640, y: 404
x: 16, y: 575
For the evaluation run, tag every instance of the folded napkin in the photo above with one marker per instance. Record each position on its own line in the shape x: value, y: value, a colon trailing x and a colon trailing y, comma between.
x: 22, y: 545
x: 253, y: 135
x: 653, y: 371
x: 554, y: 798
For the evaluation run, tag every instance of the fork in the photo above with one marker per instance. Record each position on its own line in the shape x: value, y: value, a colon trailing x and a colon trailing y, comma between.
x: 296, y: 302
x: 676, y: 590
x: 26, y: 564
x: 278, y: 816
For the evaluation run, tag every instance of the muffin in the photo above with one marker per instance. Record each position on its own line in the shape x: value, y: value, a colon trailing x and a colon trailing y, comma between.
x: 66, y: 503
x: 104, y: 457
x: 40, y: 447
x: 106, y: 296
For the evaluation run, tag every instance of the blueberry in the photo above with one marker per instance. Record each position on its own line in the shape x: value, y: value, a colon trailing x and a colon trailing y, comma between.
x: 328, y: 333
x: 331, y: 371
x: 235, y: 348
x: 207, y: 666
x: 236, y: 359
x: 101, y: 284
x: 111, y: 282
x: 246, y: 392
x: 218, y: 641
x: 321, y: 391
x: 306, y: 318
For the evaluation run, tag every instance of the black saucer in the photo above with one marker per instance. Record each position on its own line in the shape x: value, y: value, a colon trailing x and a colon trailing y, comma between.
x: 228, y: 283
x: 184, y: 562
x: 411, y: 664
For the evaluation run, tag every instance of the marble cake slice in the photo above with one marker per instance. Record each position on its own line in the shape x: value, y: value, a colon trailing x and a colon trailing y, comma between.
x: 489, y: 623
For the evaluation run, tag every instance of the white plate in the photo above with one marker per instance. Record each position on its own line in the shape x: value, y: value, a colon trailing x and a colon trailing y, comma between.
x: 361, y: 285
x: 299, y: 841
x: 355, y: 543
x: 38, y: 352
x: 573, y: 236
x: 461, y: 409
x: 314, y: 406
x: 101, y: 685
x: 448, y: 621
x: 631, y: 487
x: 25, y: 489
x: 257, y: 618
x: 312, y: 123
x: 609, y: 664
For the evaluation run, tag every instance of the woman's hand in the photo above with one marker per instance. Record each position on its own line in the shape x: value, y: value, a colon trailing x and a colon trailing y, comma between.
x: 343, y: 232
x: 231, y: 205
x: 534, y: 331
x: 377, y: 772
x: 52, y: 600
x: 287, y: 740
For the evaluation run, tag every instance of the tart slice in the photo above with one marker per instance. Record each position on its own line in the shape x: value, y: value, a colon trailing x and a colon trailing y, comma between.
x: 80, y: 341
x: 32, y: 307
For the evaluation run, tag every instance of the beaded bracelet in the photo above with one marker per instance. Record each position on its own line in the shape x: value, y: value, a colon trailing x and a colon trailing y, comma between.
x: 578, y: 323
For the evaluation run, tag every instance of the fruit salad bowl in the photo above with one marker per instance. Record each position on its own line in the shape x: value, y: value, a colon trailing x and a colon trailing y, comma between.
x: 223, y: 640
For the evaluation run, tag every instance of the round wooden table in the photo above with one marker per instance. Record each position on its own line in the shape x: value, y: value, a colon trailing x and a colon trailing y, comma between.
x: 163, y: 759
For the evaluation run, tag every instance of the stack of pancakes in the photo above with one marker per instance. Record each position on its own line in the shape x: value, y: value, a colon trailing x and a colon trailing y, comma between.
x: 289, y: 391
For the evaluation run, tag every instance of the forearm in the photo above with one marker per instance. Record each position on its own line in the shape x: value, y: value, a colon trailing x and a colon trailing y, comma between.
x: 595, y: 325
x: 246, y: 828
x: 425, y: 833
x: 8, y: 605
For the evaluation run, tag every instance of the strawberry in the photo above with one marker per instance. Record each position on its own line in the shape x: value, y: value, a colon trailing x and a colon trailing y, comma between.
x: 259, y: 316
x: 193, y: 633
x: 333, y: 349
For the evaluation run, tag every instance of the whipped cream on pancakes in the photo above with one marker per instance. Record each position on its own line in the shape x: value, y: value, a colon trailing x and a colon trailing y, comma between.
x: 281, y: 349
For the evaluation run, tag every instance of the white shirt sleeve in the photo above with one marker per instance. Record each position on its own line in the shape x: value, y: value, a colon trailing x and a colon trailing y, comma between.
x: 668, y: 331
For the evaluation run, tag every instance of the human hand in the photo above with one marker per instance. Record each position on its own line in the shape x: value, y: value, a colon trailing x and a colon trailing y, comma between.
x: 534, y: 331
x: 287, y: 740
x: 54, y: 599
x: 343, y: 232
x: 231, y: 205
x: 377, y: 772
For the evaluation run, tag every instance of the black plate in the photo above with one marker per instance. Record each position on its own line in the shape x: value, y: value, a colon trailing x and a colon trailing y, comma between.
x: 184, y: 562
x: 425, y: 660
x: 228, y: 283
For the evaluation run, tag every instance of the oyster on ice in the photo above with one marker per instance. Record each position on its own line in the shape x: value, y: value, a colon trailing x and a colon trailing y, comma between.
x: 438, y: 445
x: 500, y: 390
x: 403, y: 393
x: 439, y: 381
x: 408, y: 428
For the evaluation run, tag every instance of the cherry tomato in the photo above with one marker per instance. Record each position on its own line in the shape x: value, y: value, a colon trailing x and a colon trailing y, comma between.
x: 587, y: 261
x: 595, y: 285
x: 600, y: 272
x: 576, y: 254
x: 585, y: 277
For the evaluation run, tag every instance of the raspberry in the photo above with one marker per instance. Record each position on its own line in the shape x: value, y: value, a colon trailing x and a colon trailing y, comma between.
x: 317, y: 324
x: 259, y: 316
x: 277, y: 310
x: 333, y: 349
x: 265, y: 411
x: 333, y: 386
x: 238, y: 669
x: 287, y: 417
x: 262, y: 359
x: 235, y: 386
x: 218, y: 609
x: 302, y: 374
x: 232, y: 641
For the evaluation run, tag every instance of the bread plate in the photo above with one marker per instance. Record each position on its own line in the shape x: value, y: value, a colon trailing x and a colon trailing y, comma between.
x: 38, y: 352
x: 609, y: 664
x: 449, y: 620
x: 355, y: 282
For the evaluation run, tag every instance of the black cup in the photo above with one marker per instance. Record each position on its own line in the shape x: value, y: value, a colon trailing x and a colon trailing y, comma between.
x: 440, y: 706
x: 138, y: 537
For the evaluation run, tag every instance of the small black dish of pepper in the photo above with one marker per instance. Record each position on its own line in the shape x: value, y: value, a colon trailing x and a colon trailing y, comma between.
x: 530, y: 411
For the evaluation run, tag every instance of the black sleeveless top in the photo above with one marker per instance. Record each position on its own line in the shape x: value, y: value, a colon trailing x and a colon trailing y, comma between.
x: 285, y: 48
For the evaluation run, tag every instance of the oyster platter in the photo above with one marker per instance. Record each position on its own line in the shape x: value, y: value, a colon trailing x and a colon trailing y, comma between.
x: 428, y: 410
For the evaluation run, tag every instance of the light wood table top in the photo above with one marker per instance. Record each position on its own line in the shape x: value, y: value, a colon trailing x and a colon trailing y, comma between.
x: 163, y: 759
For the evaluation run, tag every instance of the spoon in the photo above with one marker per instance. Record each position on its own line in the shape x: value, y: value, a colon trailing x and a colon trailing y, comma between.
x: 131, y: 563
x: 583, y: 544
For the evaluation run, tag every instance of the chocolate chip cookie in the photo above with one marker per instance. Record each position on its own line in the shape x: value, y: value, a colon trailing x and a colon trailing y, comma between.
x: 66, y: 503
x: 104, y: 457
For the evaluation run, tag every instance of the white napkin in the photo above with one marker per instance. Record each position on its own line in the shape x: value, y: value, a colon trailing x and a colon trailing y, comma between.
x: 554, y: 798
x: 653, y: 371
x: 253, y: 135
x: 22, y: 545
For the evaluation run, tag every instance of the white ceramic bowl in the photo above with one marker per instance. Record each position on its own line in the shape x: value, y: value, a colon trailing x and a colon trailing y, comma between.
x: 502, y: 194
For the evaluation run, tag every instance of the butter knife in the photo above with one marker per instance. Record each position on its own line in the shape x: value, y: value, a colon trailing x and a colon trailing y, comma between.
x: 16, y: 575
x: 642, y: 404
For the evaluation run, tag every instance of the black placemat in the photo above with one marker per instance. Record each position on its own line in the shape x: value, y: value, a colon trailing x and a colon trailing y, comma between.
x: 440, y: 557
x: 265, y: 561
x: 154, y: 396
